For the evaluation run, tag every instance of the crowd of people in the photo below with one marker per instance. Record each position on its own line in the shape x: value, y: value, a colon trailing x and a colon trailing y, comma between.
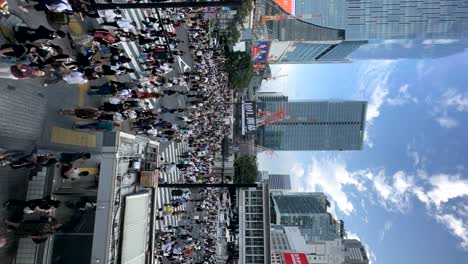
x: 201, y: 121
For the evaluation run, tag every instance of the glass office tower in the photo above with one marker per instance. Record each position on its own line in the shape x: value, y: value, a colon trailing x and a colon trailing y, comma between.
x: 314, y: 125
x: 307, y: 211
x: 389, y: 19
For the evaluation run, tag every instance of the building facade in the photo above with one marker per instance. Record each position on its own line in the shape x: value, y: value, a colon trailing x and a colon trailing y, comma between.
x: 302, y: 52
x: 389, y: 19
x: 355, y: 253
x: 314, y: 125
x: 351, y: 24
x: 308, y: 212
x: 254, y: 225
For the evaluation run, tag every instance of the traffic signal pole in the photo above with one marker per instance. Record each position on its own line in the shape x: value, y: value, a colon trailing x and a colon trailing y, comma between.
x: 231, y: 3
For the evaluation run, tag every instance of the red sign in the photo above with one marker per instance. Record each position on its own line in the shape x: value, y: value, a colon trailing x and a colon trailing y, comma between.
x: 295, y: 258
x: 286, y: 5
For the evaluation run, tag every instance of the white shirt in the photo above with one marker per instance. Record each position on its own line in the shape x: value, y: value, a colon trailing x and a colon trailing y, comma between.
x: 60, y: 7
x: 73, y: 174
x: 108, y: 14
x: 124, y: 23
x: 75, y: 77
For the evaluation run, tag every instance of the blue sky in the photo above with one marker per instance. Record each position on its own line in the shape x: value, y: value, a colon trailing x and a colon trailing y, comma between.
x: 406, y: 193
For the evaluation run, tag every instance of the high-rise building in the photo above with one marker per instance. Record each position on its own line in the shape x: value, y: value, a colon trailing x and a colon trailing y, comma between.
x: 409, y: 49
x: 271, y: 97
x: 254, y: 225
x: 314, y: 125
x: 355, y: 253
x: 279, y: 182
x: 347, y: 26
x: 301, y: 52
x: 308, y: 212
x: 387, y: 19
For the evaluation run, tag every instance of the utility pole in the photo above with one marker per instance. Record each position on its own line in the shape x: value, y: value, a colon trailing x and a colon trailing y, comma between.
x: 231, y: 3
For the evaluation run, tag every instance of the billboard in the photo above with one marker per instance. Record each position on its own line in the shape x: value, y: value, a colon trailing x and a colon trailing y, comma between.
x: 260, y: 50
x: 249, y: 117
x: 277, y: 50
x: 295, y: 258
x: 286, y: 5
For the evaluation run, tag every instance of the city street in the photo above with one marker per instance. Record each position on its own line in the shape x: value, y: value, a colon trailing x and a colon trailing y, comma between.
x: 30, y: 112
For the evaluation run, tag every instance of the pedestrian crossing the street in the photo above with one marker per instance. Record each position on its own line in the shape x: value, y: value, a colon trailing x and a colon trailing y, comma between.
x: 170, y: 154
x: 132, y: 48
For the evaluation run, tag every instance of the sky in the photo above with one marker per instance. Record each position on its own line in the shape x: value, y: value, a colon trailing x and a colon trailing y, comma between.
x: 405, y: 195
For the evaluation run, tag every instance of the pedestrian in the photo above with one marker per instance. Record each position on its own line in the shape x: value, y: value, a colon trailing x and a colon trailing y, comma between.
x: 25, y: 34
x: 38, y: 230
x: 19, y: 71
x: 122, y: 23
x: 101, y: 125
x: 82, y: 112
x: 74, y: 173
x: 45, y: 205
x: 75, y: 77
x: 70, y: 157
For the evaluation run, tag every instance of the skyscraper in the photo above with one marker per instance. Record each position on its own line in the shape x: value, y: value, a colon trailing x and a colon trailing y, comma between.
x: 351, y: 24
x: 313, y: 51
x: 389, y: 19
x: 314, y: 125
x: 277, y: 182
x: 308, y: 212
x: 355, y: 253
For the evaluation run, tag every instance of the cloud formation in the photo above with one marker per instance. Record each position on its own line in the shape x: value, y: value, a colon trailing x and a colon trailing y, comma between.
x: 394, y: 192
x: 373, y: 84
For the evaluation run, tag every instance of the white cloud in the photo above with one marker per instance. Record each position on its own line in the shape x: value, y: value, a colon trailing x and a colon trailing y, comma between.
x: 403, y: 97
x: 455, y: 99
x: 446, y: 187
x: 388, y: 224
x: 457, y: 226
x: 396, y: 195
x: 331, y: 176
x: 373, y: 85
x: 447, y: 121
x: 413, y: 154
x: 375, y: 102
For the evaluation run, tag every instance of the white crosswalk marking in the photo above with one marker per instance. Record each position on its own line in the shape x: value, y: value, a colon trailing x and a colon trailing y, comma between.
x: 132, y: 49
x: 170, y: 154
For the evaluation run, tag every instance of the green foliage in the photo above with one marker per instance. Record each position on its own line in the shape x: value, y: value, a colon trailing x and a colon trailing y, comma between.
x: 233, y: 35
x: 246, y: 169
x: 244, y: 10
x: 239, y: 67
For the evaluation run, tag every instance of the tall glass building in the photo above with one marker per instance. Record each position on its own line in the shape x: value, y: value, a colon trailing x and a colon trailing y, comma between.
x: 314, y: 125
x: 413, y: 22
x: 312, y: 52
x: 307, y: 211
x: 389, y: 19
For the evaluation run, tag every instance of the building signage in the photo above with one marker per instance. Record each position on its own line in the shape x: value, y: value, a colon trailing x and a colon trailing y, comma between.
x: 260, y: 50
x: 287, y: 5
x: 249, y: 113
x: 295, y: 258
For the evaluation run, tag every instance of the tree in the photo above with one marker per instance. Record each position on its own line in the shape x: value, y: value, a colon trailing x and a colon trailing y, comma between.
x: 232, y: 36
x: 239, y: 67
x: 246, y: 169
x: 244, y: 10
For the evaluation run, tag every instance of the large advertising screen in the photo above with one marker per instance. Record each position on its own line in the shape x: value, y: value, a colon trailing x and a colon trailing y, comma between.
x: 260, y: 50
x: 295, y: 258
x: 249, y: 117
x: 286, y: 5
